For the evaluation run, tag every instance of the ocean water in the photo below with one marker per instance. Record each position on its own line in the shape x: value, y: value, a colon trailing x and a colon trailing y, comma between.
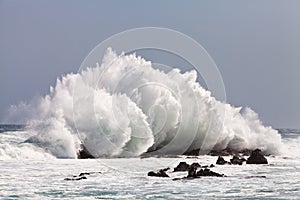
x: 123, y: 109
x: 30, y: 172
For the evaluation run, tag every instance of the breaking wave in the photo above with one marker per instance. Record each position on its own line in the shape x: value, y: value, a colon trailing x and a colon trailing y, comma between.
x: 125, y: 107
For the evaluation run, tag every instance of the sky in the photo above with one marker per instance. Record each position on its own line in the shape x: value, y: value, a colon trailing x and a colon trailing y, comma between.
x: 255, y: 44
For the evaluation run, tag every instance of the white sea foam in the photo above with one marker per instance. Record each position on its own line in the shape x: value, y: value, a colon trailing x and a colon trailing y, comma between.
x: 125, y: 107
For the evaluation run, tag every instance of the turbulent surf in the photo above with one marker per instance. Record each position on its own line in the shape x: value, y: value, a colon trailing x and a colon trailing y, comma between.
x: 125, y: 107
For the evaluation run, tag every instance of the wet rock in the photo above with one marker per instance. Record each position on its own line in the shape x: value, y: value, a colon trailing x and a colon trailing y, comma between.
x: 222, y: 161
x: 208, y: 172
x: 182, y: 166
x: 257, y: 157
x: 84, y: 173
x: 195, y: 164
x: 236, y: 160
x: 192, y: 171
x: 75, y: 179
x: 160, y: 173
x: 84, y: 153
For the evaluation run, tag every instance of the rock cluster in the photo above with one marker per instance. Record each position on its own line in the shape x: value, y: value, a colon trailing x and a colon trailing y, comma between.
x: 191, y: 169
x: 256, y: 157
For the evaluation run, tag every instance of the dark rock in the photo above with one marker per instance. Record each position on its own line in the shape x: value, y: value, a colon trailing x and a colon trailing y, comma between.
x: 221, y: 161
x: 192, y: 171
x: 257, y: 157
x: 166, y: 169
x: 84, y: 173
x: 152, y: 173
x: 84, y: 153
x: 160, y: 173
x: 235, y: 160
x: 182, y: 166
x: 195, y: 164
x: 211, y: 165
x: 75, y: 179
x: 176, y: 179
x: 207, y: 172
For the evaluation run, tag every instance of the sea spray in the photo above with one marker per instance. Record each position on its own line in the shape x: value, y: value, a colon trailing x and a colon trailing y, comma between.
x: 124, y: 107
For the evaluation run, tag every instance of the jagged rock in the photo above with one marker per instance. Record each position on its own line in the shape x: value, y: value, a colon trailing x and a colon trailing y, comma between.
x: 221, y: 161
x: 207, y: 172
x: 211, y: 165
x: 235, y: 160
x: 257, y: 157
x: 192, y: 171
x: 182, y: 166
x: 84, y: 153
x: 160, y: 173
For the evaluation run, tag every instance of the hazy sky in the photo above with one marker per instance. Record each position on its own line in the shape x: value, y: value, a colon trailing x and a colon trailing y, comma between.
x: 256, y: 45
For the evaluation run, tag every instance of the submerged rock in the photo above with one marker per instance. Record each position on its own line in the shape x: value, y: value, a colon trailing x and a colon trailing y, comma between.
x: 182, y: 166
x: 75, y: 179
x: 257, y: 157
x: 236, y: 160
x: 222, y: 161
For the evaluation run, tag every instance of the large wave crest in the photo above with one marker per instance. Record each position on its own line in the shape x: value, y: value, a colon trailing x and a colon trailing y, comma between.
x: 125, y: 107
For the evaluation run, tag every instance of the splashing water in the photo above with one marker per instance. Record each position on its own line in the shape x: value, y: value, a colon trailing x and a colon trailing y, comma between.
x: 125, y: 107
